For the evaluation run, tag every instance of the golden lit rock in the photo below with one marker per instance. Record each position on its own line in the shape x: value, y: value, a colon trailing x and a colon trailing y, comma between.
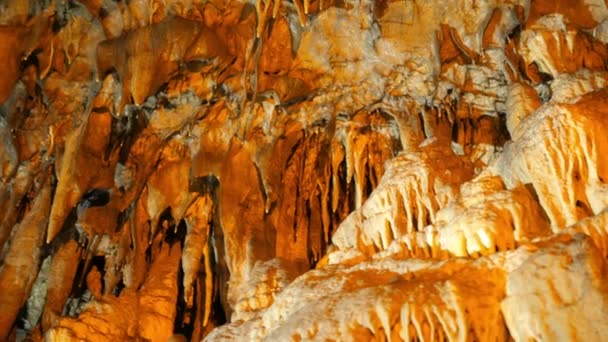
x: 303, y: 170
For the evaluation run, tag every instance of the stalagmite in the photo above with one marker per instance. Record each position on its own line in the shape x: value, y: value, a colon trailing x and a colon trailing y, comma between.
x: 17, y: 269
x: 196, y: 248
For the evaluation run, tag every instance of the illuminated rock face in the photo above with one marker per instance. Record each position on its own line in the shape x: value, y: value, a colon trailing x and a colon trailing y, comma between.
x: 306, y: 170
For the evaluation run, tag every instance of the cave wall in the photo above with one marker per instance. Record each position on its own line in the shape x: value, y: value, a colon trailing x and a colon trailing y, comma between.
x: 344, y: 170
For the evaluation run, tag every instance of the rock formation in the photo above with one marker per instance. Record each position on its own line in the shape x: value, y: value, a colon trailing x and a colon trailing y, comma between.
x: 303, y: 170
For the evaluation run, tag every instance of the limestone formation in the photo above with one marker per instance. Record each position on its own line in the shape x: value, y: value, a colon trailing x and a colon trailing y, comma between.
x: 303, y: 170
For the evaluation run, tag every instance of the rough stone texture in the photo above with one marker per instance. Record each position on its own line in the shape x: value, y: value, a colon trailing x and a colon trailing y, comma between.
x: 303, y: 170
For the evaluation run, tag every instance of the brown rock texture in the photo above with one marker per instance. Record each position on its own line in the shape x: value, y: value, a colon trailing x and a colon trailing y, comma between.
x: 303, y: 170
